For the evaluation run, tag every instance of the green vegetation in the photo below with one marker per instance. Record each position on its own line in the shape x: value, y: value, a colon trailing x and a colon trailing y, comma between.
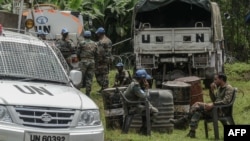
x: 115, y: 16
x: 241, y: 110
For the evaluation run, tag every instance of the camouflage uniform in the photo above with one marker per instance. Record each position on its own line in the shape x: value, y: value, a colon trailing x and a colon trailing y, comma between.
x: 67, y: 48
x: 134, y: 92
x: 122, y: 78
x: 87, y: 52
x: 103, y: 61
x: 223, y: 96
x: 60, y: 56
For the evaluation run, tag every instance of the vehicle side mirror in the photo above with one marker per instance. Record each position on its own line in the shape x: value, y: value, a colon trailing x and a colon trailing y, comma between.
x: 76, y: 77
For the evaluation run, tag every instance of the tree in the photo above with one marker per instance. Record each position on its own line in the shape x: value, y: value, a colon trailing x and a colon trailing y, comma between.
x: 235, y: 29
x: 6, y: 5
x: 114, y: 15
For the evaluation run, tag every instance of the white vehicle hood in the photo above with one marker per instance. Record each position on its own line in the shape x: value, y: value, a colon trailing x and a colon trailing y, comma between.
x: 45, y: 95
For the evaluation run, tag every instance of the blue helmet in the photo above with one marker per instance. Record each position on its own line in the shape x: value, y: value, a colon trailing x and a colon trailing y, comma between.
x: 64, y: 30
x: 87, y: 33
x: 140, y: 74
x: 100, y: 30
x: 119, y: 64
x: 147, y: 75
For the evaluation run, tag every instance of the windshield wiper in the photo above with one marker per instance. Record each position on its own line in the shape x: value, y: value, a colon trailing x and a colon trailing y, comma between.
x: 26, y: 79
x: 11, y: 77
x: 42, y: 80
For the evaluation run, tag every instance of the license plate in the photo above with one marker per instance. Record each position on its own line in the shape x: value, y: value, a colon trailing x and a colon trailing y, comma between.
x: 46, y: 137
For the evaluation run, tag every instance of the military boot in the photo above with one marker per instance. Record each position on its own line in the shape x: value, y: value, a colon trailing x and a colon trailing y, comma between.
x: 181, y: 121
x: 143, y: 129
x: 191, y: 134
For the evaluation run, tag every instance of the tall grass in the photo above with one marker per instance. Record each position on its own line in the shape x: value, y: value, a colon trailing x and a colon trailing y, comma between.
x: 237, y: 76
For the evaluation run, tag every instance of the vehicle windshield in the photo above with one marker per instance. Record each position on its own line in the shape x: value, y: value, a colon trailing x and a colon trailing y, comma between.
x: 30, y: 60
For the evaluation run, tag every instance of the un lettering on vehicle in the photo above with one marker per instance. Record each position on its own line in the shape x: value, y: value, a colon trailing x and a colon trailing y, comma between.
x: 45, y: 28
x: 33, y: 90
x: 199, y: 37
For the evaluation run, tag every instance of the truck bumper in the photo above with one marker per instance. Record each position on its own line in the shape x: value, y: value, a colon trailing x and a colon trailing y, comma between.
x: 14, y: 132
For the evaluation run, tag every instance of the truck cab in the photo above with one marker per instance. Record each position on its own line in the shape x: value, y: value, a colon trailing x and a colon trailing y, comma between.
x: 177, y: 38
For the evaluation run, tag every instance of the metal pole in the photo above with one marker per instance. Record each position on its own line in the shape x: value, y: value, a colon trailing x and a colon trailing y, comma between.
x: 121, y: 42
x: 20, y: 16
x: 148, y: 117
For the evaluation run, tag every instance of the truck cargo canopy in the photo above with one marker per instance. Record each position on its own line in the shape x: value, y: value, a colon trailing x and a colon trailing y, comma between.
x: 149, y: 5
x: 179, y: 14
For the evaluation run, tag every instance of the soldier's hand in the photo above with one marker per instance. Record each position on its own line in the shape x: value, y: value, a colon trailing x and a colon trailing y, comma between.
x: 208, y: 106
x: 146, y: 85
x: 213, y: 86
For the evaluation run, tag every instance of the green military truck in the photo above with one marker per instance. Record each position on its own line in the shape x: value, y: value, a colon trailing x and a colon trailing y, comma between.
x: 176, y: 38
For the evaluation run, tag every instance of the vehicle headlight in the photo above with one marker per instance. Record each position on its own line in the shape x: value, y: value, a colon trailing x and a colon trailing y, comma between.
x: 89, y: 118
x: 4, y: 115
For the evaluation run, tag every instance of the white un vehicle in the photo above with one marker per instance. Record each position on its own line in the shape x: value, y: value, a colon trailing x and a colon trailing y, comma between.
x: 38, y: 100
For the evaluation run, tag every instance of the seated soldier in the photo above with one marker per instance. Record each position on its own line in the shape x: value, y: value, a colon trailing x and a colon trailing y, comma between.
x: 222, y: 96
x: 138, y: 91
x: 122, y: 77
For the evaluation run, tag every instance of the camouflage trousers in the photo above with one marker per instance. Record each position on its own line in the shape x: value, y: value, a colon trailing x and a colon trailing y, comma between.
x: 87, y: 68
x: 102, y: 78
x: 141, y: 109
x: 196, y: 112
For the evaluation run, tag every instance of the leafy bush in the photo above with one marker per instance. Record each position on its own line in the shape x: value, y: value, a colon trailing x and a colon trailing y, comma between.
x: 238, y: 71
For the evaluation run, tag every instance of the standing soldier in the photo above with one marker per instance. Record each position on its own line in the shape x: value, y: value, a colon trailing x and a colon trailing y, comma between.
x: 66, y: 46
x: 87, y: 52
x: 103, y: 58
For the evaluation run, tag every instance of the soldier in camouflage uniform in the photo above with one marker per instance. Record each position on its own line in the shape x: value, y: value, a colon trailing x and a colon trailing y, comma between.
x: 66, y: 46
x: 42, y: 35
x: 122, y: 77
x: 60, y: 56
x: 223, y: 95
x: 103, y: 60
x: 87, y: 52
x: 138, y: 91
